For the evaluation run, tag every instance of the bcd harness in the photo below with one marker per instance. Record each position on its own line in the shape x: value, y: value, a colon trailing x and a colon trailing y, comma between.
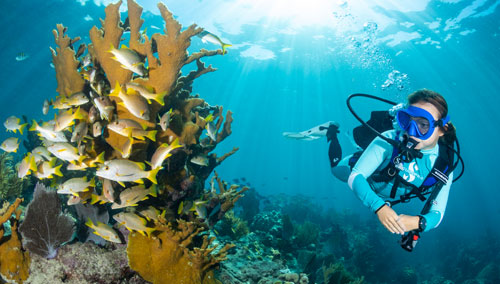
x: 437, y: 177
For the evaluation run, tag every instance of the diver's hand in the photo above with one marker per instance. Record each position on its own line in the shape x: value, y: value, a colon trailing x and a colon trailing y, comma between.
x: 409, y: 222
x: 391, y: 220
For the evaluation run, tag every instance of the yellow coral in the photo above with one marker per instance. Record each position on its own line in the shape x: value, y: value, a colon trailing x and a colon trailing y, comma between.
x: 167, y: 257
x: 14, y: 262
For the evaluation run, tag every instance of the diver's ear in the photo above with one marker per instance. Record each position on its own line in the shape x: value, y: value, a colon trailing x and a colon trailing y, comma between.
x: 442, y: 130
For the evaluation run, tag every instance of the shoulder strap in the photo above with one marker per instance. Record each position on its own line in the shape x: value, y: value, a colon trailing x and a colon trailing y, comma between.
x: 440, y: 171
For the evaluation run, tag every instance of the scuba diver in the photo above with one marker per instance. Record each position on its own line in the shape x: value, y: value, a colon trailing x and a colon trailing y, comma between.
x: 411, y: 158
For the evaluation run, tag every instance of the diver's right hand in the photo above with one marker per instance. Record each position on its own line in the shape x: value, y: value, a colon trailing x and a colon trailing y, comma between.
x: 390, y: 219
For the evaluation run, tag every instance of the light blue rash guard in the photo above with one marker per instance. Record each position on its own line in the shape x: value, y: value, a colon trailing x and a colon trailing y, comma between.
x: 374, y: 194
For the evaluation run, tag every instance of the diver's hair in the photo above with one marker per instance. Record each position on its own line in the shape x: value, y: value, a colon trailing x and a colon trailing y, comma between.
x: 450, y: 132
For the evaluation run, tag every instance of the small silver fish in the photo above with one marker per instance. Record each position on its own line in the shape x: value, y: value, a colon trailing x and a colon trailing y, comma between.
x: 165, y: 120
x: 46, y: 105
x: 133, y: 102
x: 105, y: 107
x: 104, y: 231
x: 201, y: 160
x: 133, y: 222
x: 93, y: 114
x: 27, y: 166
x: 121, y: 170
x: 129, y: 59
x: 132, y: 195
x: 12, y: 123
x: 163, y: 152
x: 211, y: 131
x: 80, y: 131
x: 10, y: 145
x: 97, y: 129
x: 147, y: 93
x: 210, y: 37
x: 107, y: 190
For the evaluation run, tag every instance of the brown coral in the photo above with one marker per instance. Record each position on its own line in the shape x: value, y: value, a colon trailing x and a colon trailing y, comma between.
x: 169, y: 256
x: 69, y: 81
x: 14, y: 262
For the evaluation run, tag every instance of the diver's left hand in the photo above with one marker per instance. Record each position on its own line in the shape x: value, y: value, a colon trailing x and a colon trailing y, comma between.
x: 410, y: 223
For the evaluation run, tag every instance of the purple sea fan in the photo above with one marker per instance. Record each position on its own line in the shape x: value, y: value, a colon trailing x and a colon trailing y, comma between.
x: 45, y: 228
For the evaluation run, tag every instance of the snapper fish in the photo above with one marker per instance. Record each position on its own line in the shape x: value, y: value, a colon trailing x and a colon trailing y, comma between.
x: 97, y: 129
x: 46, y: 106
x: 66, y: 152
x: 104, y: 231
x: 76, y: 99
x: 165, y: 120
x: 27, y: 166
x: 67, y: 119
x: 46, y: 130
x: 80, y: 131
x: 134, y: 103
x: 200, y: 160
x: 210, y: 37
x: 107, y: 193
x: 210, y: 127
x: 60, y: 103
x: 75, y: 167
x: 48, y: 169
x: 132, y: 195
x: 10, y: 145
x: 131, y: 128
x: 107, y: 190
x: 163, y: 152
x: 76, y: 185
x: 126, y: 148
x: 122, y: 170
x: 74, y: 199
x: 41, y: 154
x: 147, y: 93
x: 133, y: 222
x: 105, y: 107
x: 93, y: 114
x: 12, y: 123
x: 152, y: 213
x: 129, y: 59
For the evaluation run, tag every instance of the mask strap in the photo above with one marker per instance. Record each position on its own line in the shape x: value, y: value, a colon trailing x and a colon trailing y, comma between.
x: 443, y: 121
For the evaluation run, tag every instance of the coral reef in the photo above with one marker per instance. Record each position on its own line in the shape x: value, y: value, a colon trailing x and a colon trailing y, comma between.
x: 14, y: 261
x: 336, y: 273
x: 113, y: 96
x: 45, y: 228
x: 307, y: 234
x: 10, y: 185
x: 84, y: 263
x: 232, y: 226
x: 169, y: 256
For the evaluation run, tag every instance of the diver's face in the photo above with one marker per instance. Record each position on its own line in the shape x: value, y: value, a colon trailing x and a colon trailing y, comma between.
x: 431, y: 141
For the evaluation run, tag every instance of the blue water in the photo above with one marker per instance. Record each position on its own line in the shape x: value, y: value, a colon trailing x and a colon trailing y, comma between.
x: 305, y: 70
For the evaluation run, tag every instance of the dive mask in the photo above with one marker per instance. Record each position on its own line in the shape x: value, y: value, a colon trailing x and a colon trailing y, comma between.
x: 418, y: 122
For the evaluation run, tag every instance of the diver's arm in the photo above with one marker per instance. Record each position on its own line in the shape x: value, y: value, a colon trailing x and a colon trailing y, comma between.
x: 436, y: 213
x: 370, y: 160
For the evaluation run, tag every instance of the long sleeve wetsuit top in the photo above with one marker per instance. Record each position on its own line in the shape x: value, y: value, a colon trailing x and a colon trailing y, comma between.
x: 374, y: 194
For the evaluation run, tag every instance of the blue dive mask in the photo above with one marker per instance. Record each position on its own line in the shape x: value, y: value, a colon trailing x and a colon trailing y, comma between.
x: 418, y: 122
